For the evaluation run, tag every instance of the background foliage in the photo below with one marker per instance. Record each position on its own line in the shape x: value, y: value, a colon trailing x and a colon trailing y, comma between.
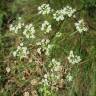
x: 85, y: 82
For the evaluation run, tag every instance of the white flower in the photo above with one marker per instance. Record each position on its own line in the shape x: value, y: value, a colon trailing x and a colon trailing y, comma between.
x: 39, y: 50
x: 8, y: 69
x: 38, y: 43
x: 58, y: 15
x: 55, y: 62
x: 29, y: 31
x: 42, y: 45
x: 80, y: 26
x: 69, y: 77
x: 56, y: 65
x: 45, y: 80
x: 14, y: 53
x: 44, y: 9
x: 58, y: 34
x: 73, y: 59
x: 46, y: 76
x: 26, y: 93
x: 16, y: 27
x: 46, y: 27
x: 21, y: 51
x: 48, y: 49
x: 55, y: 69
x: 21, y: 44
x: 69, y: 11
x: 52, y: 76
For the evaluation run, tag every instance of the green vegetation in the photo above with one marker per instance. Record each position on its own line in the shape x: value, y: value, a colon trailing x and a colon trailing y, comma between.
x: 31, y: 69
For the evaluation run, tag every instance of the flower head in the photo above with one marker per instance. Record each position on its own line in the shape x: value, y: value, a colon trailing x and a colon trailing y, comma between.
x: 29, y: 31
x: 46, y: 27
x: 8, y: 69
x: 69, y: 77
x: 21, y: 51
x: 80, y: 26
x: 69, y: 11
x: 16, y: 27
x: 44, y: 9
x: 73, y: 59
x: 58, y: 15
x: 42, y: 45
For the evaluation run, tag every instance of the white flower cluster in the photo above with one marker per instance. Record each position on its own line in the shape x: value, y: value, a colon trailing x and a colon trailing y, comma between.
x: 45, y: 80
x: 29, y: 31
x: 46, y: 27
x: 73, y: 59
x: 59, y: 15
x: 21, y: 51
x: 16, y: 27
x: 80, y: 26
x: 56, y: 65
x: 69, y: 77
x: 44, y: 9
x: 42, y: 45
x: 53, y: 76
x: 49, y: 79
x: 69, y: 11
x: 48, y: 49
